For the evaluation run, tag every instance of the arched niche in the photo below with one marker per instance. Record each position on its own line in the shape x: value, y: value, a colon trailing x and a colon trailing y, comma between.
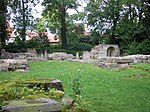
x: 111, y: 51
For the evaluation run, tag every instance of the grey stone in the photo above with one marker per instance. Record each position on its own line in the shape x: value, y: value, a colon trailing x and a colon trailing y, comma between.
x: 45, y: 83
x: 60, y: 56
x: 28, y: 56
x: 33, y: 105
x: 67, y: 102
x: 14, y: 64
x: 102, y: 50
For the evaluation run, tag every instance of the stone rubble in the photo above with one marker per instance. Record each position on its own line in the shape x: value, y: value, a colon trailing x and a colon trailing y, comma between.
x: 14, y: 65
x: 60, y: 56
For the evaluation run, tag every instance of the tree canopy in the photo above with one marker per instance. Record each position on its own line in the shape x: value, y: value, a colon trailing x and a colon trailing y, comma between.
x: 56, y: 11
x: 122, y: 22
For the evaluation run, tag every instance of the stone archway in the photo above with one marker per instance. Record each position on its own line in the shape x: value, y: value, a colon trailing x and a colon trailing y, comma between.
x: 111, y: 51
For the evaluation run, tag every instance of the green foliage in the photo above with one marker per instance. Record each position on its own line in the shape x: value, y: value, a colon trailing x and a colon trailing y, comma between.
x: 72, y: 37
x: 3, y: 10
x: 123, y: 22
x: 33, y: 43
x: 76, y: 87
x: 13, y: 90
x: 15, y: 47
x: 82, y: 104
x: 41, y: 43
x: 80, y: 47
x: 23, y: 17
x: 55, y: 12
x: 143, y: 47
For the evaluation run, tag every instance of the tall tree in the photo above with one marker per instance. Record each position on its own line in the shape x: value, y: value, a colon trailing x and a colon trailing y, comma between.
x: 22, y: 15
x: 3, y: 10
x: 125, y: 22
x: 57, y: 9
x: 104, y: 15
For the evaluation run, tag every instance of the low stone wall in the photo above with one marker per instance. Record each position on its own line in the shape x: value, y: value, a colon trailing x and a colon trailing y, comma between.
x: 35, y: 56
x: 87, y: 57
x: 28, y: 56
x: 60, y: 56
x: 14, y: 65
x: 113, y: 62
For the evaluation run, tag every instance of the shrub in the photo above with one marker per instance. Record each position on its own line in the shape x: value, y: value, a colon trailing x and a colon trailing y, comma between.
x: 80, y: 47
x: 15, y: 47
x: 138, y: 48
x: 144, y: 47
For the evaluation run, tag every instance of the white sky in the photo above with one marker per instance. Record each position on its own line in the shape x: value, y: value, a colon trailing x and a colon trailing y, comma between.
x: 80, y: 9
x: 39, y: 8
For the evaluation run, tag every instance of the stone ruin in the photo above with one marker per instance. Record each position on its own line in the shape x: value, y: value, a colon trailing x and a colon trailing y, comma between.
x: 14, y: 65
x: 108, y: 56
x: 102, y: 50
x: 29, y: 55
x: 33, y: 55
x: 60, y: 56
x: 103, y: 55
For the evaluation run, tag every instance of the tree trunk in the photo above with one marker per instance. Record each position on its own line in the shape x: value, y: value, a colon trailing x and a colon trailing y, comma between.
x: 23, y: 32
x: 113, y: 39
x: 3, y: 22
x: 63, y: 28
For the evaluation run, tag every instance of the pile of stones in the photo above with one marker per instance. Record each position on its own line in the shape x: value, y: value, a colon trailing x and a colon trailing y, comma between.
x: 60, y: 56
x: 14, y: 65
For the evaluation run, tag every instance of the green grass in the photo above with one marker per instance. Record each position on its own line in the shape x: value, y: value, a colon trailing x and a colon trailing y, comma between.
x: 124, y: 89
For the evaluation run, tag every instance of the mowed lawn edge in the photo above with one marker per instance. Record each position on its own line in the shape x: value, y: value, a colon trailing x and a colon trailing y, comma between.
x: 125, y: 89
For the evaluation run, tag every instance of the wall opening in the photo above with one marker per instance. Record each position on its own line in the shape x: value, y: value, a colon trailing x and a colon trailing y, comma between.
x: 111, y: 51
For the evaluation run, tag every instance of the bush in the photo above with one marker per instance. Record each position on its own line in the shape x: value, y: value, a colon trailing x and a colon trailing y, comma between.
x: 138, y: 48
x: 33, y: 43
x: 80, y: 47
x: 15, y: 47
x: 144, y: 47
x: 131, y: 49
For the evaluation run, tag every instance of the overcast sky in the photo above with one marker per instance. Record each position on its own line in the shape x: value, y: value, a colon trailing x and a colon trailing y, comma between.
x: 39, y: 8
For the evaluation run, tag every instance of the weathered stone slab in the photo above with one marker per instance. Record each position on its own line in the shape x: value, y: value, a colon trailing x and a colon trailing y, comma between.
x: 108, y: 65
x: 33, y: 105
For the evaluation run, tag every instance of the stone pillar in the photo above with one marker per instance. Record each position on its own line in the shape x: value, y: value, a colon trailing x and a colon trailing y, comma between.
x: 45, y: 54
x: 42, y: 55
x: 77, y: 55
x: 2, y: 53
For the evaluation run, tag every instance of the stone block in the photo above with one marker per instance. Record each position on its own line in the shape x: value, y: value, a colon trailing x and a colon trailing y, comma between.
x: 33, y: 105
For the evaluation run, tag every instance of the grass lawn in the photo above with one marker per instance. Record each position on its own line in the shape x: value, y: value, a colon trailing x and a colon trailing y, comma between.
x: 124, y: 89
